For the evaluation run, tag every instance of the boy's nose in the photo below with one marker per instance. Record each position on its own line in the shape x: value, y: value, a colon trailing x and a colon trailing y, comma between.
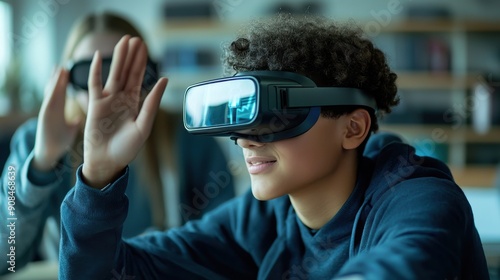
x: 246, y: 143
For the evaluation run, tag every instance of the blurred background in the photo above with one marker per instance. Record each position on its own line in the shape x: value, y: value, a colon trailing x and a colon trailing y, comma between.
x: 446, y: 54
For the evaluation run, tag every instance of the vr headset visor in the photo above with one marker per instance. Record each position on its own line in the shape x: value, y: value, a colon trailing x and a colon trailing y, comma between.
x: 264, y: 106
x: 79, y: 73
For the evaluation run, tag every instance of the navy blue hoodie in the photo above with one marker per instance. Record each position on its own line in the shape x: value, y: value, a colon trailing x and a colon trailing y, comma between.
x: 405, y: 219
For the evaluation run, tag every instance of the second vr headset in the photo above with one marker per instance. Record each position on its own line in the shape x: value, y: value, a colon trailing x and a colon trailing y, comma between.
x: 264, y: 106
x: 79, y: 73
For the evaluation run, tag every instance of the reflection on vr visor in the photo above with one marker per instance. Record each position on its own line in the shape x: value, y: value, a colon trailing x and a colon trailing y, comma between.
x: 79, y: 73
x: 264, y: 106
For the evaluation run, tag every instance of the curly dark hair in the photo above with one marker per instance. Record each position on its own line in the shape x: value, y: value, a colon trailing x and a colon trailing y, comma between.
x: 329, y: 53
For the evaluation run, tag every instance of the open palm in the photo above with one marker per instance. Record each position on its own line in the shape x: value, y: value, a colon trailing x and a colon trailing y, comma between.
x: 118, y: 122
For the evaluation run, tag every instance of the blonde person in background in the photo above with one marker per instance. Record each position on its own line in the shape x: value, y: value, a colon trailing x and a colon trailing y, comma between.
x: 46, y: 151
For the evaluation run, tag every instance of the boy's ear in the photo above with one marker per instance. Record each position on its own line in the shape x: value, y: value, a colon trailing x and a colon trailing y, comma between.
x: 358, y: 125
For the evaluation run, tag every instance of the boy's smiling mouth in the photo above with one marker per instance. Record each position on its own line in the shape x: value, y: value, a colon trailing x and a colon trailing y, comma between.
x: 258, y: 165
x: 260, y: 162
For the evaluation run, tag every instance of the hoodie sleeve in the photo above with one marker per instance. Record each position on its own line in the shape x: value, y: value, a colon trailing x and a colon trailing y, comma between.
x: 92, y: 246
x: 32, y: 196
x: 419, y: 229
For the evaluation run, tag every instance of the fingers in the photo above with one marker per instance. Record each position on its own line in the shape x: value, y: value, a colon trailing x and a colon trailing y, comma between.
x: 137, y: 68
x: 150, y: 106
x: 116, y: 73
x: 55, y: 92
x: 58, y: 81
x: 127, y: 71
x: 134, y: 45
x: 95, y: 80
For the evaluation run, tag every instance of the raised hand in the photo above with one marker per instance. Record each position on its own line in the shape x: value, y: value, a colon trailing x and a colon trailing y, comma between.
x: 118, y: 123
x: 54, y: 136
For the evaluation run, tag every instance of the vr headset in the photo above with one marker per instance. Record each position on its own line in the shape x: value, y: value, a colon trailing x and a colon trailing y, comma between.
x: 263, y: 106
x: 79, y: 73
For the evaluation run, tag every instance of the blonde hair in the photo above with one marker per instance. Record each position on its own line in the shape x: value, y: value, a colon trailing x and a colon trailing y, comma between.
x: 158, y: 150
x: 95, y: 23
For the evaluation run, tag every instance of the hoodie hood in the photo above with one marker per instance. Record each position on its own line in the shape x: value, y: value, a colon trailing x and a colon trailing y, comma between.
x: 395, y: 161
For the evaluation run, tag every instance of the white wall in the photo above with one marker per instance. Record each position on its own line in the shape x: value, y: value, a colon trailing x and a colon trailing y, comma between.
x: 33, y: 41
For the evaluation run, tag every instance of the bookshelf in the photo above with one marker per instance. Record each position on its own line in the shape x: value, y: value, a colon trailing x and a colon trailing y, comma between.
x: 421, y: 80
x: 452, y: 142
x: 442, y: 25
x: 431, y: 138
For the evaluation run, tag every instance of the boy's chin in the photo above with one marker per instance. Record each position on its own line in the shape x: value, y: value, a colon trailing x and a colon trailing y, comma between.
x: 264, y: 192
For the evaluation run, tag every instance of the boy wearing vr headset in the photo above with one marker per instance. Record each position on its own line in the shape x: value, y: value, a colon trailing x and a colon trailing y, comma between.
x: 301, y: 102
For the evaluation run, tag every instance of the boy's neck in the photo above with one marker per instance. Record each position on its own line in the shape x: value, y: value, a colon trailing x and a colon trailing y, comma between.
x: 317, y: 204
